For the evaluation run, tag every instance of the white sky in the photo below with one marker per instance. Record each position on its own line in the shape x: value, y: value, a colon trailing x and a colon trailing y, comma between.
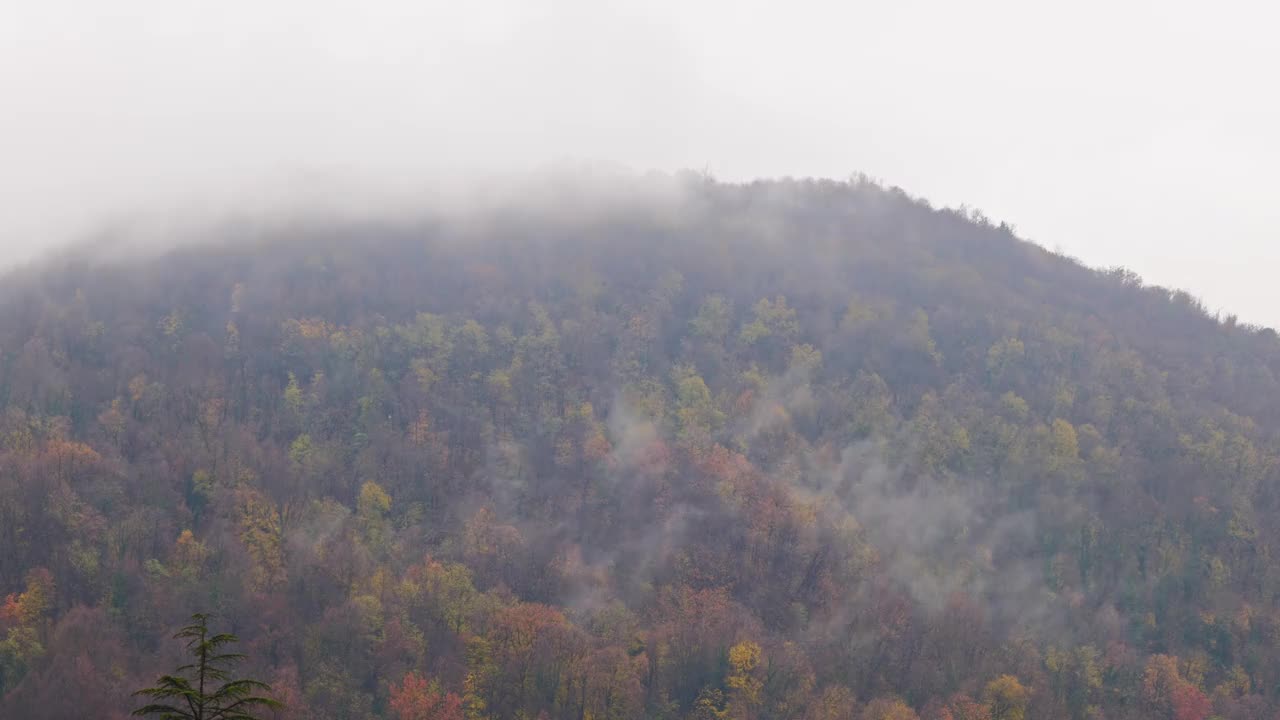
x: 1138, y: 133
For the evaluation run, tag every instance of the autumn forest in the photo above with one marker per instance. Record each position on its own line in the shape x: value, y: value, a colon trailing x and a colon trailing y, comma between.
x: 684, y: 449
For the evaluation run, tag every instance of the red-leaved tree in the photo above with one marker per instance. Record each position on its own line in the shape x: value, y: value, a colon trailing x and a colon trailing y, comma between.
x: 417, y: 698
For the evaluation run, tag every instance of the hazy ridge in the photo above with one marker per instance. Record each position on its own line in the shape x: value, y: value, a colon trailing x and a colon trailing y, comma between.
x: 619, y: 447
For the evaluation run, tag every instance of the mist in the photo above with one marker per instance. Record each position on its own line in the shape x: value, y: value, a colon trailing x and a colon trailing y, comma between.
x: 639, y: 359
x: 645, y: 422
x: 1120, y: 135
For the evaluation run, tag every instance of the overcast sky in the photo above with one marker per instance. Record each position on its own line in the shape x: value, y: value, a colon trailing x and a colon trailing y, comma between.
x: 1138, y: 133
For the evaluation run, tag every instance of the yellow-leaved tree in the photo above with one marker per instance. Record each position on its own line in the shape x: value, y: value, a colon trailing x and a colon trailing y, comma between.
x: 743, y: 680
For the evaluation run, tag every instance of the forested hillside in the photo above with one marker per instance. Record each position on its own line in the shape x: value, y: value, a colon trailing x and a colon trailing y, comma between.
x: 808, y: 450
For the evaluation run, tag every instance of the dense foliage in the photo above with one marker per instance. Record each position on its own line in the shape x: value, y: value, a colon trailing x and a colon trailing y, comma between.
x: 782, y: 450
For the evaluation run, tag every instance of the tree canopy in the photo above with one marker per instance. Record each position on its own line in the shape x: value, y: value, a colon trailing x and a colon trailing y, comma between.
x: 788, y: 449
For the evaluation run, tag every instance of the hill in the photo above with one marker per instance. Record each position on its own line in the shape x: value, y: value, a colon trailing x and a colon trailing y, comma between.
x: 676, y: 449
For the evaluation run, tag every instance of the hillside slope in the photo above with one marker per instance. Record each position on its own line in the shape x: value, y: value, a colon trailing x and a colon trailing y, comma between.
x: 779, y: 450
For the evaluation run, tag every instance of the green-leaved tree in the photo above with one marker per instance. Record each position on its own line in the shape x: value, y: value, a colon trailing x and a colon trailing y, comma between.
x: 205, y: 689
